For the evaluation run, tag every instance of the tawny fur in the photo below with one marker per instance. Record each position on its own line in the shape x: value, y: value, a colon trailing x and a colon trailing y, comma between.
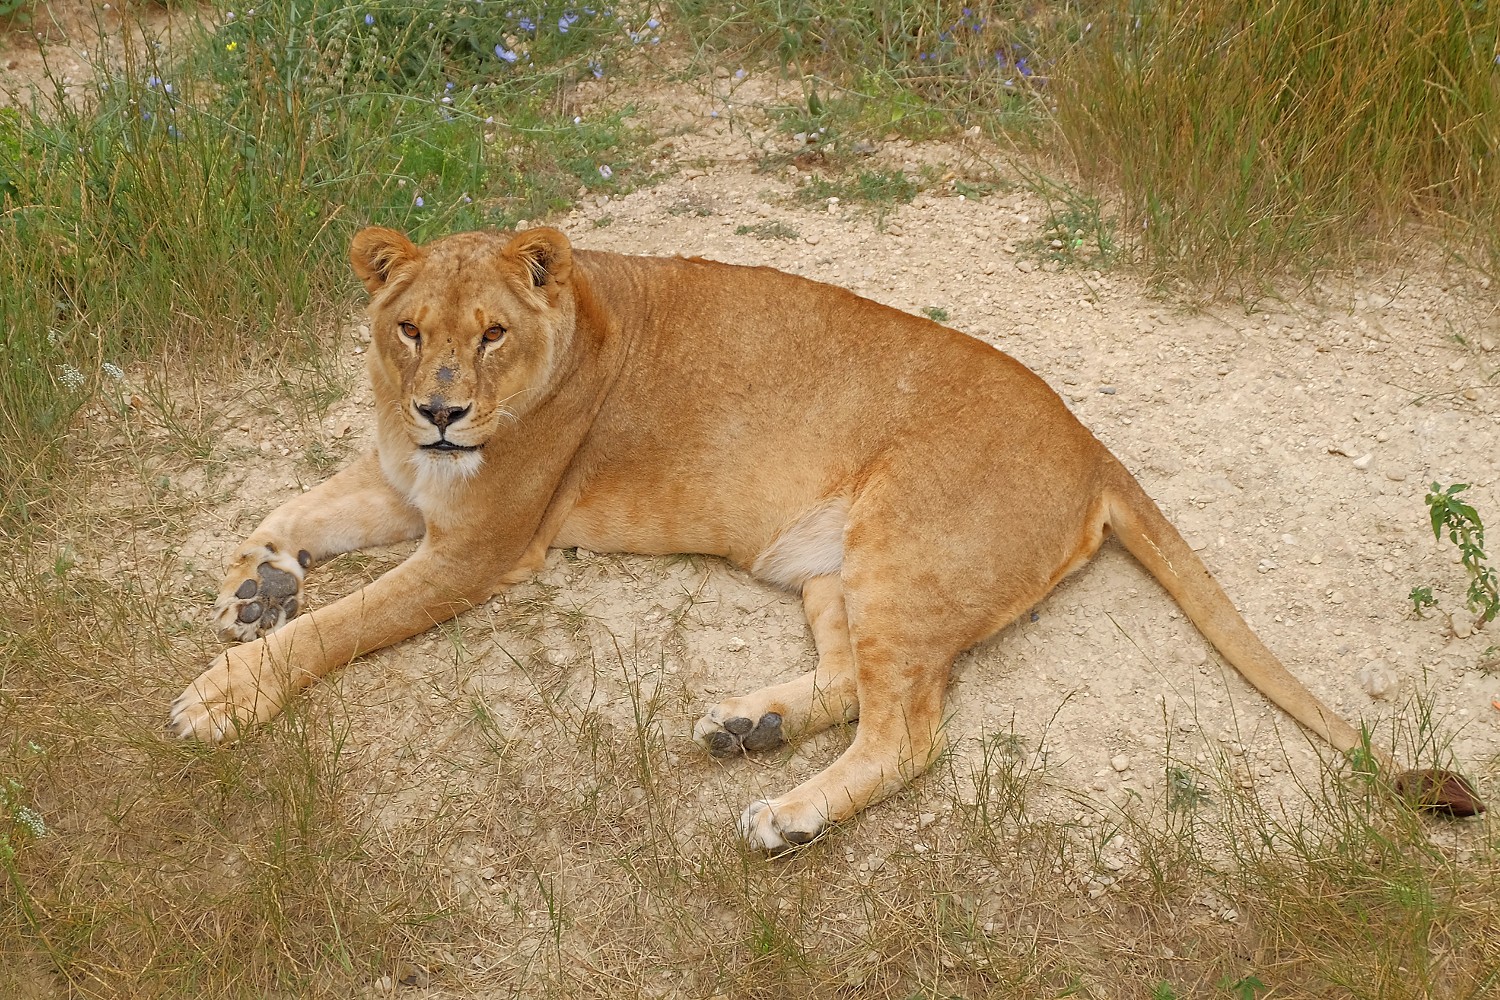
x: 919, y: 487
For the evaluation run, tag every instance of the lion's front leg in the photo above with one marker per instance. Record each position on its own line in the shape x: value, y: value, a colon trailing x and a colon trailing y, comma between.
x: 251, y: 683
x: 262, y: 589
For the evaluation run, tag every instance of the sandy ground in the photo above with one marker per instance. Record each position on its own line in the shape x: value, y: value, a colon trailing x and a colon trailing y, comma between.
x: 60, y: 45
x: 1292, y: 444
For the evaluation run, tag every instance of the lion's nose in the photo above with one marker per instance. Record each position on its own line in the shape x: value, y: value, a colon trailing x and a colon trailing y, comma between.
x: 439, y: 413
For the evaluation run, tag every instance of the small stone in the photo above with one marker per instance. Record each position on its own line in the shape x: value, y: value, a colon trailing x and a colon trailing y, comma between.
x: 1395, y: 476
x: 1108, y: 390
x: 1363, y: 462
x: 1456, y: 365
x: 1486, y: 344
x: 1120, y: 762
x: 1377, y: 680
x: 1025, y: 266
x: 412, y: 975
x: 1099, y: 785
x: 813, y: 239
x: 735, y: 644
x: 925, y: 820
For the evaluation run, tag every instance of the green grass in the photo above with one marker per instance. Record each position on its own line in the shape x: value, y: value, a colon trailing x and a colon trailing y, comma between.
x: 209, y: 222
x: 876, y: 66
x: 768, y: 231
x: 1246, y: 139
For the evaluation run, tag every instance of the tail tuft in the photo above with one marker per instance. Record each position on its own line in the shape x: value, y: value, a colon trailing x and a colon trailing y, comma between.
x: 1434, y: 790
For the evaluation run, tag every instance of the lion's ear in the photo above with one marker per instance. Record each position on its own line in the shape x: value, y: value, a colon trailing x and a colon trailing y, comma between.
x: 377, y: 254
x: 543, y: 254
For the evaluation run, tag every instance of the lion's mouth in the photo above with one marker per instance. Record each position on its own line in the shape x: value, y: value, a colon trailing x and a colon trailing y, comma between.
x: 445, y: 445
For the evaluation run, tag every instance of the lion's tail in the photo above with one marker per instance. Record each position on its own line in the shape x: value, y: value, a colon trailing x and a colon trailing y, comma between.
x: 1152, y: 539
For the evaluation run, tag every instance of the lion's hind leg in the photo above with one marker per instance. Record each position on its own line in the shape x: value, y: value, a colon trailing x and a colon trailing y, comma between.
x: 808, y: 704
x: 918, y: 591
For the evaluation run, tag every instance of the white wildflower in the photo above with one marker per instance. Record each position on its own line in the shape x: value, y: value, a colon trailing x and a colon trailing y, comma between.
x: 71, y: 377
x: 32, y: 821
x: 114, y: 371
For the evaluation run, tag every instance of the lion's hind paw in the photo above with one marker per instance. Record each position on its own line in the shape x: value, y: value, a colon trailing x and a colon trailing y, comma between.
x: 261, y: 593
x: 778, y: 825
x: 738, y: 734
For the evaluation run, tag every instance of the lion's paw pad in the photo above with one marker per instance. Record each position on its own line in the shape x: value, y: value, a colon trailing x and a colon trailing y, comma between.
x: 780, y: 825
x: 262, y: 592
x: 737, y: 734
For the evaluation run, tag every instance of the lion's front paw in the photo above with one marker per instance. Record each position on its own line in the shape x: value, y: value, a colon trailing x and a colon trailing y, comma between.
x: 261, y: 593
x: 227, y: 697
x: 781, y: 824
x: 725, y: 733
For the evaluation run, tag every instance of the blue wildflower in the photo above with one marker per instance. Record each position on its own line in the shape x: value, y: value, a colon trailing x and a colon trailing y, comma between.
x: 172, y: 131
x: 566, y: 21
x: 501, y: 52
x: 605, y: 171
x: 369, y: 19
x: 653, y: 24
x: 1022, y: 68
x: 153, y: 82
x: 419, y: 201
x: 596, y: 68
x: 526, y: 24
x: 448, y: 85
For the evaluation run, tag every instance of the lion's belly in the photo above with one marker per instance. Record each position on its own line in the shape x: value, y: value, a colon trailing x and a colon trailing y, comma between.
x: 620, y: 527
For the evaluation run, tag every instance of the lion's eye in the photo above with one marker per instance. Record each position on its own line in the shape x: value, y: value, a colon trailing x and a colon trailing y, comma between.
x: 494, y: 334
x: 409, y: 331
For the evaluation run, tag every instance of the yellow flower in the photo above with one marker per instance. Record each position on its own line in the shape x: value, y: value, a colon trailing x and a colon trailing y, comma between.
x: 231, y: 46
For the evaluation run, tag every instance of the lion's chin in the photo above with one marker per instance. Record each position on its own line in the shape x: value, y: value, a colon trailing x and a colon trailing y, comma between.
x: 446, y: 463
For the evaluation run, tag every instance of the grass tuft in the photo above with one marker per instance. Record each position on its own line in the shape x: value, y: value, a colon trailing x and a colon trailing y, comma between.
x: 1249, y: 138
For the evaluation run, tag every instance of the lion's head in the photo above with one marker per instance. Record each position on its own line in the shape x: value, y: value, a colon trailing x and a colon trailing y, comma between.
x: 466, y: 334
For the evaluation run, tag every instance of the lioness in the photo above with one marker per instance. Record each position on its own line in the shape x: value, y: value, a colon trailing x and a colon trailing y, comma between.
x: 919, y: 487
